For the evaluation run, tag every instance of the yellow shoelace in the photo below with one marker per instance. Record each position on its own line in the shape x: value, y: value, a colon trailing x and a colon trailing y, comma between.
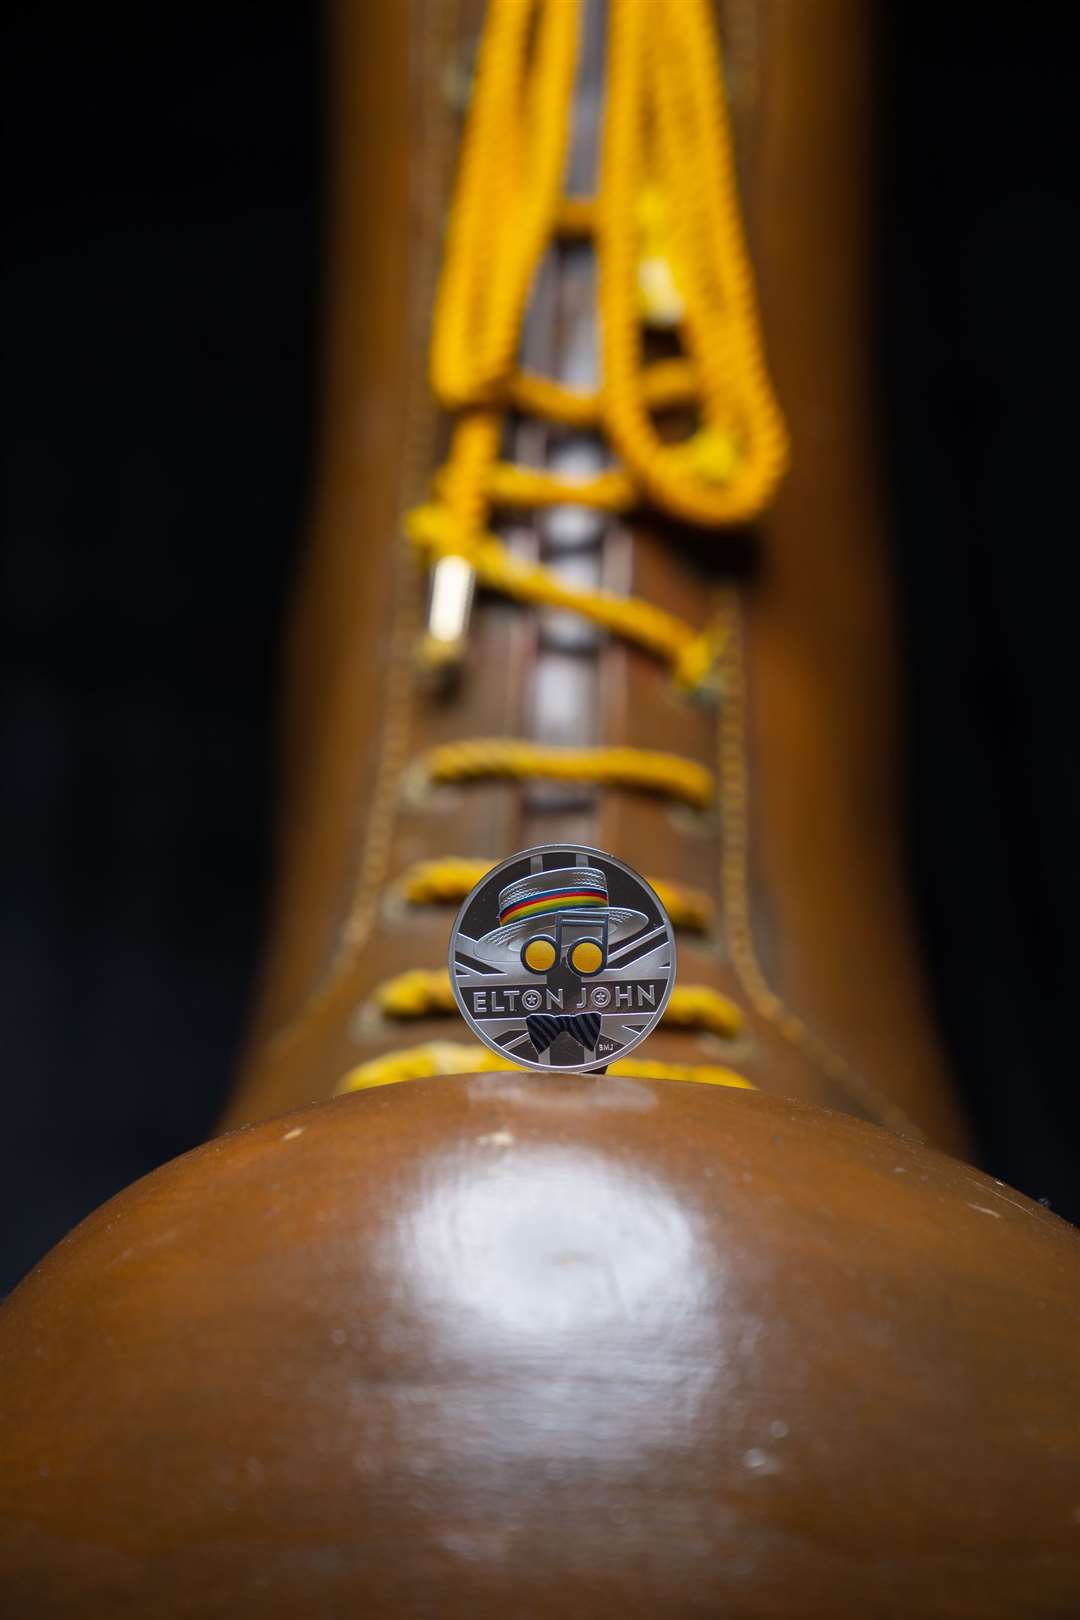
x: 645, y: 770
x: 438, y: 1058
x: 670, y: 253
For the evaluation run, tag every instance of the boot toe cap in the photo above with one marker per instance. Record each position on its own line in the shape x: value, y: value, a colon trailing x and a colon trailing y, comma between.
x: 530, y: 1346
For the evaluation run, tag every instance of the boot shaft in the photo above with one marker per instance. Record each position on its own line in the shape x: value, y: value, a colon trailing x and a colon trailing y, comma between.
x: 790, y: 852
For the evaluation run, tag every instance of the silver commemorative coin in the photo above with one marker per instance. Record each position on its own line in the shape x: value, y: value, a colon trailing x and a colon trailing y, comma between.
x: 562, y: 958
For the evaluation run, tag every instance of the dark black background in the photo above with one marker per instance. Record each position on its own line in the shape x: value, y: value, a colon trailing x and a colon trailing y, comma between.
x: 160, y: 312
x: 978, y: 260
x: 159, y: 305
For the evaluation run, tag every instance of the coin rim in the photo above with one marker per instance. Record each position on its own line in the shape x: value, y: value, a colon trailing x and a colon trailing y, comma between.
x: 552, y: 849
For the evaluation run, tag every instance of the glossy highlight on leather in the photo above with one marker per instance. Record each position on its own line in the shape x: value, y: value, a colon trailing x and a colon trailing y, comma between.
x: 529, y: 1345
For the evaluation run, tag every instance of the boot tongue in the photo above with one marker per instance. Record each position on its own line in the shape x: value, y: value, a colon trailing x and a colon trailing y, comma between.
x: 560, y: 340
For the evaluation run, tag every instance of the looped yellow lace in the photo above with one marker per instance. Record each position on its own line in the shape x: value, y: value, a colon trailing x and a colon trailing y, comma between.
x: 670, y: 252
x: 692, y: 656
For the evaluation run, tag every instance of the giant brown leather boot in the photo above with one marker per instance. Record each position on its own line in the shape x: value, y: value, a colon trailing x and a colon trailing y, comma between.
x: 533, y: 1346
x: 798, y: 854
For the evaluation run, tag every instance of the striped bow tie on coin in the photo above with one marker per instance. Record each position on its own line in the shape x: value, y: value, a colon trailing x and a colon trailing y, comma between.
x: 562, y: 958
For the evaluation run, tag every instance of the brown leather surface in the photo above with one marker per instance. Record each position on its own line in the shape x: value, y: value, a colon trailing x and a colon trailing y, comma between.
x: 821, y: 640
x: 529, y: 1346
x: 340, y: 640
x: 829, y: 903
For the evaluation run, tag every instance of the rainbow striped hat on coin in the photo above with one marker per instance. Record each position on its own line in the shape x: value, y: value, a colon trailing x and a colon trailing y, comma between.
x: 580, y: 889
